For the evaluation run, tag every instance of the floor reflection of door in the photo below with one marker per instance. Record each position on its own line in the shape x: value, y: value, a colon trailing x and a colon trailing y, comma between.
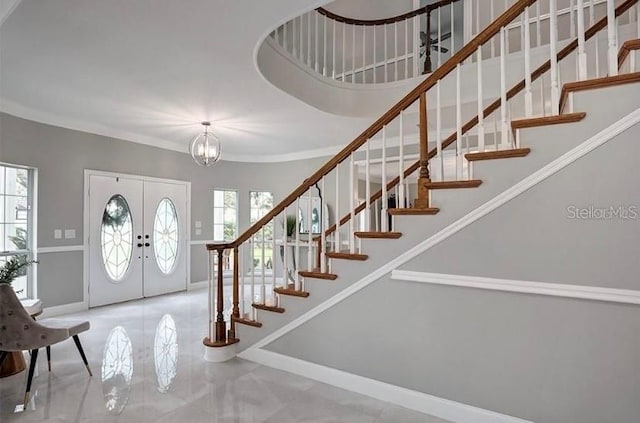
x: 137, y: 238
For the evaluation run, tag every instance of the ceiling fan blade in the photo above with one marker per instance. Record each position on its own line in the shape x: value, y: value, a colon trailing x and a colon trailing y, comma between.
x: 440, y: 49
x: 445, y: 36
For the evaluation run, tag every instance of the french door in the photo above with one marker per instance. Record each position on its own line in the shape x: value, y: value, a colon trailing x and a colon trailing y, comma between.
x: 137, y: 238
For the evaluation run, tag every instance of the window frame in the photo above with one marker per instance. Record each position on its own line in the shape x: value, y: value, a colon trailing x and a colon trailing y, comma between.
x: 237, y: 215
x: 31, y: 223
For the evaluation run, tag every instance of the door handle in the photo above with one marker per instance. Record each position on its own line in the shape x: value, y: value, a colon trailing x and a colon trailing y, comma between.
x: 139, y: 245
x: 146, y: 244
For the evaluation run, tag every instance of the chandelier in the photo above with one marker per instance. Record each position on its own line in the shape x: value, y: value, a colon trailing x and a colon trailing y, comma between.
x: 205, y: 147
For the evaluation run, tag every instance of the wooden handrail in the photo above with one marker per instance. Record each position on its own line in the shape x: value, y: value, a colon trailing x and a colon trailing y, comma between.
x: 515, y: 90
x: 447, y: 67
x: 372, y: 22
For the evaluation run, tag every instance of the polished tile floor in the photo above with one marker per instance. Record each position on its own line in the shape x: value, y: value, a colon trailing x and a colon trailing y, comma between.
x: 146, y: 358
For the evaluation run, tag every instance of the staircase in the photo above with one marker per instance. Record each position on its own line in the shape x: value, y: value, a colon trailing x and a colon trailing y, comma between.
x: 488, y: 151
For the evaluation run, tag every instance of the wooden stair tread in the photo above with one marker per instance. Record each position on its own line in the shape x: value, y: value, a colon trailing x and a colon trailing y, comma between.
x: 291, y: 291
x: 500, y: 154
x: 317, y: 274
x: 472, y: 183
x: 590, y: 84
x: 247, y: 322
x: 547, y: 120
x: 627, y: 47
x: 378, y: 235
x: 346, y: 256
x: 413, y: 211
x: 268, y: 308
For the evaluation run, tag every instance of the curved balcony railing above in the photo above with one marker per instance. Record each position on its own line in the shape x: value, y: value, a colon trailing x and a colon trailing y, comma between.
x: 374, y: 51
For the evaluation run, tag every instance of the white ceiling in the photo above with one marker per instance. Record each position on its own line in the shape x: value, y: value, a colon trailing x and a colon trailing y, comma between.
x: 150, y: 70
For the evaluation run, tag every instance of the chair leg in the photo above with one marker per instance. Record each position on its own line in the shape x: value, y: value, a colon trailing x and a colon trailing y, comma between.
x: 49, y: 357
x: 81, y: 351
x: 32, y: 367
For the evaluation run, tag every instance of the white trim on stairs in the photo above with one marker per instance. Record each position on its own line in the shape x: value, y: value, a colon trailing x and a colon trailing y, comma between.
x: 582, y: 292
x: 414, y: 400
x: 527, y: 183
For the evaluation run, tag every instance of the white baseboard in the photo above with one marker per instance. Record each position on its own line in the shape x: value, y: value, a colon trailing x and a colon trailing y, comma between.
x: 64, y: 309
x: 197, y: 285
x: 582, y: 292
x: 414, y: 400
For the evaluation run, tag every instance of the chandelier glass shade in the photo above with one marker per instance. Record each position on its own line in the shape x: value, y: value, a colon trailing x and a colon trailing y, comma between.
x: 205, y: 147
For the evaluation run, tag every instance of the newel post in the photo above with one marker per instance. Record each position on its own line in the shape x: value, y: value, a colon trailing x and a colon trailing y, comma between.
x: 236, y: 294
x: 221, y: 326
x: 422, y: 202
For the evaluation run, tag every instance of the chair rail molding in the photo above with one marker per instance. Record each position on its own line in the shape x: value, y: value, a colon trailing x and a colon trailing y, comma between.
x: 624, y: 296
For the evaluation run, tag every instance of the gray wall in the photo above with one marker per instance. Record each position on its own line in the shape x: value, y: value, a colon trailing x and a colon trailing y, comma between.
x: 61, y: 155
x: 545, y: 359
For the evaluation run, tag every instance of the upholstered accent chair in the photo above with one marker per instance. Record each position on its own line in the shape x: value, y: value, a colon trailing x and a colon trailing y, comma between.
x: 19, y: 332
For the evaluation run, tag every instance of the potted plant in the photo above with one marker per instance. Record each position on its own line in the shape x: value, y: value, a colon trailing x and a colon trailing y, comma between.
x: 290, y: 225
x: 13, y: 268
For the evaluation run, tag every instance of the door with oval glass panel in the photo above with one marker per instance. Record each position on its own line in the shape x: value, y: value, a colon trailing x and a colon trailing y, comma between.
x: 165, y: 259
x: 137, y: 239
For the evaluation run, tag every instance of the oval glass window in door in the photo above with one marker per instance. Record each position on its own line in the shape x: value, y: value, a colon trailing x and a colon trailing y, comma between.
x: 165, y: 236
x: 116, y: 237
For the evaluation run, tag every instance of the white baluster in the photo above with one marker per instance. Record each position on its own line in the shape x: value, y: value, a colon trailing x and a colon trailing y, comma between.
x: 416, y: 45
x: 336, y: 245
x: 333, y: 52
x: 439, y: 131
x: 364, y: 54
x: 293, y: 38
x: 638, y: 18
x: 241, y: 255
x: 553, y: 53
x: 386, y: 76
x: 479, y: 102
x: 263, y: 285
x: 395, y: 46
x: 309, y: 39
x: 344, y: 49
x: 375, y: 60
x: 301, y: 38
x: 401, y: 191
x: 324, y: 47
x: 458, y: 124
x: 582, y: 55
x: 406, y: 49
x: 612, y: 38
x: 353, y: 54
x: 367, y: 187
x: 352, y: 206
x: 317, y: 48
x: 296, y: 256
x: 453, y: 31
x: 572, y: 18
x: 538, y: 30
x: 469, y: 164
x: 506, y: 6
x: 309, y: 231
x: 478, y: 28
x: 493, y: 39
x: 528, y: 95
x: 439, y: 36
x: 253, y: 274
x: 285, y: 252
x: 323, y: 236
x: 592, y: 20
x: 273, y: 257
x: 503, y: 86
x: 385, y: 221
x: 285, y: 42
